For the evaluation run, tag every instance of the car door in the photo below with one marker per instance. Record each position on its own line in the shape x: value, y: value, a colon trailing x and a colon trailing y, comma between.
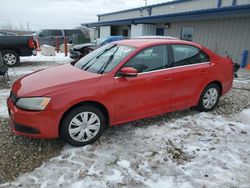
x: 189, y: 73
x: 149, y: 92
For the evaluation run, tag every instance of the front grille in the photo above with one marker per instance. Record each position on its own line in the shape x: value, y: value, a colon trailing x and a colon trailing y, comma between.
x: 13, y: 97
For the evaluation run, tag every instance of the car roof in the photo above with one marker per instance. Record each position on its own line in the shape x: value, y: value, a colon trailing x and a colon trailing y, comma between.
x: 140, y: 43
x: 109, y: 37
x: 155, y: 37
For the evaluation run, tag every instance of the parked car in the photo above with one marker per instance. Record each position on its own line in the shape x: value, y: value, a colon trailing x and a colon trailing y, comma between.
x: 7, y: 33
x: 117, y: 83
x: 80, y: 50
x: 15, y: 46
x: 3, y: 70
x: 50, y: 36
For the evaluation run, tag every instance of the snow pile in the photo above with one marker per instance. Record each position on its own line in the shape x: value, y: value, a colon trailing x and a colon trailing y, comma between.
x: 4, y: 93
x: 60, y: 57
x: 202, y: 150
x: 244, y: 116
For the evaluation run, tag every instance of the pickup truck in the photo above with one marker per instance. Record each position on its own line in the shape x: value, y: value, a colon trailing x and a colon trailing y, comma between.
x: 13, y: 47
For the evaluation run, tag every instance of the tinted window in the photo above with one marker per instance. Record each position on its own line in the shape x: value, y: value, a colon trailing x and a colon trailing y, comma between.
x: 72, y: 32
x: 150, y: 59
x: 52, y: 33
x: 187, y: 55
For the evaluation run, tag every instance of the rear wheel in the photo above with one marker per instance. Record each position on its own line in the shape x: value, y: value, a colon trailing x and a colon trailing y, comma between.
x: 209, y: 98
x: 11, y: 58
x: 83, y: 125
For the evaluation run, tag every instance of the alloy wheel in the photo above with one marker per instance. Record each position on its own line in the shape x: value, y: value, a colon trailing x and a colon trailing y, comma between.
x: 84, y: 126
x: 210, y: 98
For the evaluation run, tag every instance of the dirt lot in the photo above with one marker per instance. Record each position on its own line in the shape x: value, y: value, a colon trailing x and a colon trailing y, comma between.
x: 20, y: 155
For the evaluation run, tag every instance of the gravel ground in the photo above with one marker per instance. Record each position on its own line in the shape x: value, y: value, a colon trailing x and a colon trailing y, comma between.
x: 19, y: 154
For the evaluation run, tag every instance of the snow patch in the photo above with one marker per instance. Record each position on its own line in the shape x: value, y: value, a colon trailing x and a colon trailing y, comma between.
x: 202, y: 150
x: 124, y: 164
x: 60, y: 57
x: 4, y: 93
x: 244, y: 116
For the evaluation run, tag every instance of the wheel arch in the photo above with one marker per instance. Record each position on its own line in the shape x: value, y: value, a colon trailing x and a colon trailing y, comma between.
x: 218, y: 83
x: 87, y: 103
x: 12, y: 49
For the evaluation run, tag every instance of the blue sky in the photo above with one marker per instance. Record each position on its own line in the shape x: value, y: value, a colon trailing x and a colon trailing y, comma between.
x: 60, y: 13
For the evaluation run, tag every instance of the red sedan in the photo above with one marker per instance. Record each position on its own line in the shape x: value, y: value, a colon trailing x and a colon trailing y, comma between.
x: 119, y: 82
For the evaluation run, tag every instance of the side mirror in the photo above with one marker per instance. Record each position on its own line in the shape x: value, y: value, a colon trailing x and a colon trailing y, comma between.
x: 128, y: 72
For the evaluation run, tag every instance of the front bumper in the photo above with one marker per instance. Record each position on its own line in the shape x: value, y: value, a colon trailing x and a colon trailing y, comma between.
x: 75, y: 54
x: 35, y: 124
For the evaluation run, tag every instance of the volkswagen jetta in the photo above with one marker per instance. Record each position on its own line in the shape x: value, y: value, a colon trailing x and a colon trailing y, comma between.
x: 117, y: 83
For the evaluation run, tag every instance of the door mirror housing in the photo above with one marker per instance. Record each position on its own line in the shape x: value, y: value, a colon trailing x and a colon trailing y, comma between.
x: 129, y: 72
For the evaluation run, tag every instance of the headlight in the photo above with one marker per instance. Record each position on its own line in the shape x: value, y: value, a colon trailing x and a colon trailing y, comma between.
x: 34, y: 103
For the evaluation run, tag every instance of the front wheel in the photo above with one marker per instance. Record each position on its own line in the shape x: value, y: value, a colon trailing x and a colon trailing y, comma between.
x: 209, y: 98
x: 83, y: 125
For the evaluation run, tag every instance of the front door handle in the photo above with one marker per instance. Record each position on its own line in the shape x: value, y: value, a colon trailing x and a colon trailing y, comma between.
x: 203, y: 72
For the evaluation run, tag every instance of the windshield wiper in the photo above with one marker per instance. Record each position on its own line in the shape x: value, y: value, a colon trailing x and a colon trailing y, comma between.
x: 104, y: 66
x: 106, y: 50
x: 99, y: 56
x: 96, y: 58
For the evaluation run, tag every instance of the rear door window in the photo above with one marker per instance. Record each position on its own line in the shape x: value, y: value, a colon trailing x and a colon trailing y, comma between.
x: 188, y: 55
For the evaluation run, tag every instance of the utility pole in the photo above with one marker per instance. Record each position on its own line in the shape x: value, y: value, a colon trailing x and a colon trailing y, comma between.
x: 146, y: 3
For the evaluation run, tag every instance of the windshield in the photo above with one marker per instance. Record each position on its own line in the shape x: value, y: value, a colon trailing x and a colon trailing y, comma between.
x: 104, y: 59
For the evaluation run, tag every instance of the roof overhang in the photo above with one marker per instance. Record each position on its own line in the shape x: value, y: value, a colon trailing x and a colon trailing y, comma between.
x: 232, y: 11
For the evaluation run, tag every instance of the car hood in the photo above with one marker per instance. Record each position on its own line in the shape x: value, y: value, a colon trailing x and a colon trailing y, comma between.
x: 80, y: 46
x: 50, y: 80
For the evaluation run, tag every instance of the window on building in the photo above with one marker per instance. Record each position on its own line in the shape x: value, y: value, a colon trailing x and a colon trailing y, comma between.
x: 150, y: 59
x: 160, y: 31
x: 187, y: 33
x: 188, y: 55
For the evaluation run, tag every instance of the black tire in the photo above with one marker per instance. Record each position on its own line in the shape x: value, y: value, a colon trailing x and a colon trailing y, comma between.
x: 65, y: 125
x: 14, y: 58
x: 201, y: 106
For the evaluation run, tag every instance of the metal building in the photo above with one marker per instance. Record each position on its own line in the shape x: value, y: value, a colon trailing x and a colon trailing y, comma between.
x: 221, y: 25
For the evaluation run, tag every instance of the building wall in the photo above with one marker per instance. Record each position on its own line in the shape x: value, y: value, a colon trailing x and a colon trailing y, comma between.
x: 171, y: 8
x: 105, y: 31
x: 243, y: 2
x: 185, y: 6
x: 136, y: 30
x: 142, y: 30
x: 220, y: 35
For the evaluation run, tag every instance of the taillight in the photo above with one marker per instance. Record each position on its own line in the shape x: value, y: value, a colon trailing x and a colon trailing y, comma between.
x: 31, y: 43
